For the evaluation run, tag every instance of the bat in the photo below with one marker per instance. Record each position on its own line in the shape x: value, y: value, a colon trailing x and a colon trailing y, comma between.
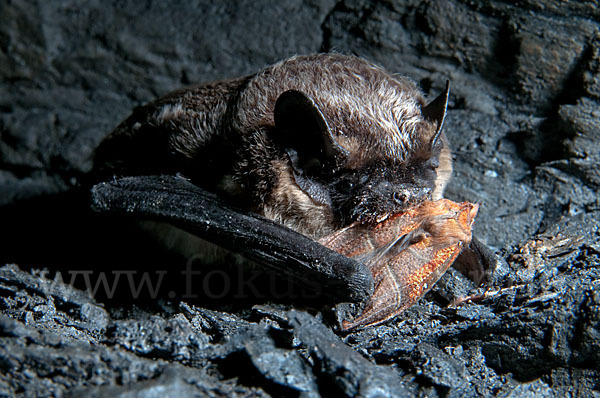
x: 407, y: 253
x: 313, y: 143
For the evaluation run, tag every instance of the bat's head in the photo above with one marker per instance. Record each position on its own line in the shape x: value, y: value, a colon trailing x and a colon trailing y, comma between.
x: 366, y: 171
x: 357, y: 143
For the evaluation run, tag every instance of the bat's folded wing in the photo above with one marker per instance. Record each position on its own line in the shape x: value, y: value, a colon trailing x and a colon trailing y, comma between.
x: 183, y: 204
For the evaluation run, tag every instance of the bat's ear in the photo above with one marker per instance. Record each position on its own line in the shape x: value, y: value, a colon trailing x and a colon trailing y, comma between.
x: 435, y: 112
x: 303, y: 131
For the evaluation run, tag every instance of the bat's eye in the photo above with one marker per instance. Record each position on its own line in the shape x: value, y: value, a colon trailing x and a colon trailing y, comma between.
x: 346, y: 186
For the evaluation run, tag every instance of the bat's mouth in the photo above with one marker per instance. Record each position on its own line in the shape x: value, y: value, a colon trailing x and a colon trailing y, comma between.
x: 376, y: 207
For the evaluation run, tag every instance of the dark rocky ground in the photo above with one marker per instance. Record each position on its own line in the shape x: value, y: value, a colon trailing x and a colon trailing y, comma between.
x: 524, y: 125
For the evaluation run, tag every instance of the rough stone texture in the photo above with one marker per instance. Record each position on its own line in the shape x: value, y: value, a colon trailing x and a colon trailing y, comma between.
x: 523, y: 123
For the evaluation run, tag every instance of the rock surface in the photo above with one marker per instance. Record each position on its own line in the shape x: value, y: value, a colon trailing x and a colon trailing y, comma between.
x: 523, y: 123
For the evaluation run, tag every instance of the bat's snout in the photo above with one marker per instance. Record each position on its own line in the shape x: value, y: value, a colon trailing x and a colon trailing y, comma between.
x: 404, y: 195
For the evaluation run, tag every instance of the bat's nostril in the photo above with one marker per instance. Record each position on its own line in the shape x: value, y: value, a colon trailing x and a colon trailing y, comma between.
x: 400, y: 197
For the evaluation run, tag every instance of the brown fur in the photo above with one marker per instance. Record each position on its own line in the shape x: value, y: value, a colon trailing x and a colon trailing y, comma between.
x: 219, y: 134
